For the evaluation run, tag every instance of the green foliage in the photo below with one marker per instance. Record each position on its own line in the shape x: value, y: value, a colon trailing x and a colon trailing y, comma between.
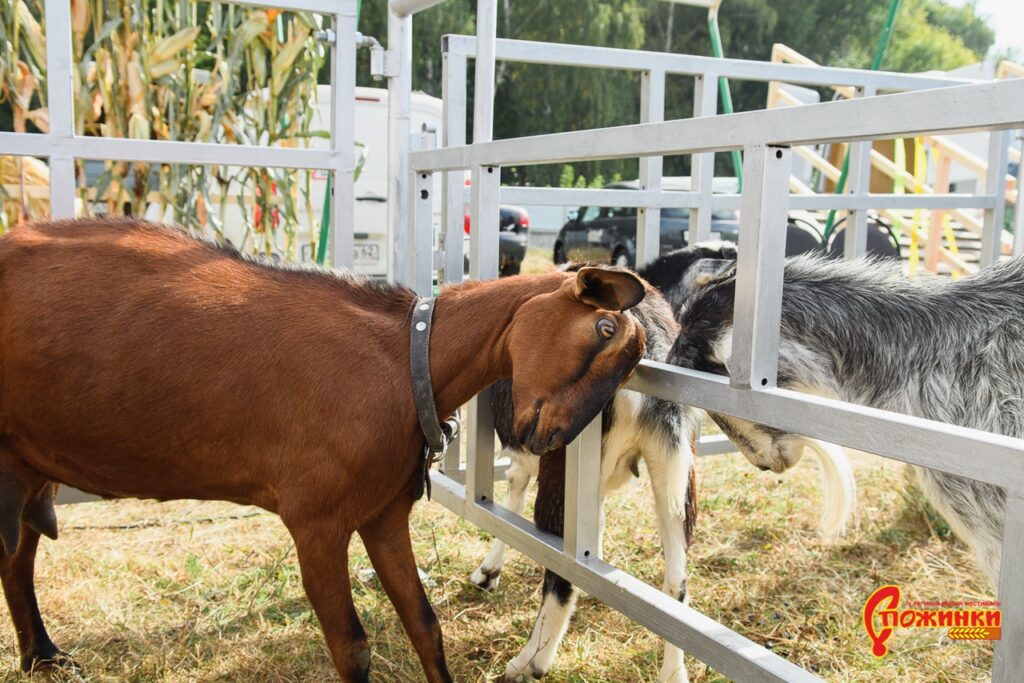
x: 962, y: 22
x: 565, y: 179
x: 920, y: 44
x: 534, y: 99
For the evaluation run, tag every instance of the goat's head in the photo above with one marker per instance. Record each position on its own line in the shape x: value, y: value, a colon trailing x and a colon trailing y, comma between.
x: 705, y: 344
x: 570, y: 349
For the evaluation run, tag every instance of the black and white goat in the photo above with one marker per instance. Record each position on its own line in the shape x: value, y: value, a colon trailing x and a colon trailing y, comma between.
x: 635, y: 427
x: 861, y: 332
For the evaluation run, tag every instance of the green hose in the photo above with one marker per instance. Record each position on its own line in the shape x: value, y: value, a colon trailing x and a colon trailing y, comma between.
x: 876, y: 64
x: 325, y: 217
x: 724, y: 92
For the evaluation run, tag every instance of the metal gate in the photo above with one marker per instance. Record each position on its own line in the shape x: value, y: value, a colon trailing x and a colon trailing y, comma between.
x: 766, y: 139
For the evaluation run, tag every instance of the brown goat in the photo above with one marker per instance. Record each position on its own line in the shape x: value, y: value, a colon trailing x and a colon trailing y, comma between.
x: 136, y: 361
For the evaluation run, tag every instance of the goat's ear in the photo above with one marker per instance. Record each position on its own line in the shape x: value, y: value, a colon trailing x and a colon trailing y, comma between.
x: 707, y: 270
x: 613, y: 290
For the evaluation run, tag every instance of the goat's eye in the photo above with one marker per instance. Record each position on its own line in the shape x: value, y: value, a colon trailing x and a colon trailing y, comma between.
x: 606, y: 327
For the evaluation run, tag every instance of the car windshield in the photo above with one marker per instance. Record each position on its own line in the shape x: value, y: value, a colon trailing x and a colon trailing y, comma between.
x: 684, y: 214
x: 618, y: 211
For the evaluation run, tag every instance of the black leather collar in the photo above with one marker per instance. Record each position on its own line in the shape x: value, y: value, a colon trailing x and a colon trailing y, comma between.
x: 437, y: 434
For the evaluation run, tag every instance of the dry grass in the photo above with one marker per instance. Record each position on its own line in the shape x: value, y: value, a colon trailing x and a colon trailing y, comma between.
x: 211, y: 592
x: 537, y: 261
x: 189, y: 591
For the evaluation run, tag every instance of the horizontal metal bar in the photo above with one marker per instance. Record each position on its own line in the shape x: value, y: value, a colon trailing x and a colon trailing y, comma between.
x: 165, y: 152
x: 404, y: 8
x: 581, y: 197
x: 890, y: 201
x: 346, y: 7
x: 994, y: 458
x: 67, y: 496
x: 676, y: 199
x: 715, y: 444
x: 985, y: 106
x: 459, y: 476
x: 700, y: 636
x: 641, y: 60
x: 865, y: 202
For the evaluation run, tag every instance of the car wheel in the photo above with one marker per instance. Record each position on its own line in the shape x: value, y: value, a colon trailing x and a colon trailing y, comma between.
x: 560, y: 255
x: 620, y: 258
x: 510, y: 269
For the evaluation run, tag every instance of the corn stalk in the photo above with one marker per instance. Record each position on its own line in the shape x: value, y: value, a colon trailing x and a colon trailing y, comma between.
x: 174, y: 70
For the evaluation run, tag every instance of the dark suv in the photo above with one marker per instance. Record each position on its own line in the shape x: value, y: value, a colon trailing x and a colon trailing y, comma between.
x: 608, y: 234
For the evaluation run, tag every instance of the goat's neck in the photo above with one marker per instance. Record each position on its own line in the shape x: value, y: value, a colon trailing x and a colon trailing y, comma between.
x: 468, y: 342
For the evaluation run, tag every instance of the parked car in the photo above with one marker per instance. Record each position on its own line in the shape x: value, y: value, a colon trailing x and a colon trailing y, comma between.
x: 513, y: 239
x: 608, y: 234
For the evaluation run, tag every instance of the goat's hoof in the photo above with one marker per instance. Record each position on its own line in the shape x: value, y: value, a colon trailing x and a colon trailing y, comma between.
x: 487, y: 579
x: 60, y: 665
x: 514, y: 674
x: 675, y: 677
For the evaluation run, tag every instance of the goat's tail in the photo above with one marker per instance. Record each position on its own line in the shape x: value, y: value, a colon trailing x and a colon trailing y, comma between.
x: 839, y: 489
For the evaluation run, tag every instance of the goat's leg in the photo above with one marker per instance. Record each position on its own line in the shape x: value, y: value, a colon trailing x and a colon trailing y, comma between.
x: 559, y: 600
x: 670, y: 471
x: 390, y: 549
x: 556, y: 610
x: 521, y: 470
x: 16, y: 571
x: 322, y: 549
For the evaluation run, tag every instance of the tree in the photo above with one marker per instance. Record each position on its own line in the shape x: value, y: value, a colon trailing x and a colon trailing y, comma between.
x: 533, y: 99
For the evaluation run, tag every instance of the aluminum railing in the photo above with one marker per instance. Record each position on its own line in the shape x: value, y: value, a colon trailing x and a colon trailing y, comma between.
x: 766, y: 138
x: 61, y: 146
x: 654, y: 67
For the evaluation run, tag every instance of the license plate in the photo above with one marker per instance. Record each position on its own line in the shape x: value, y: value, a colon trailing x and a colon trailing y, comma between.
x: 367, y: 253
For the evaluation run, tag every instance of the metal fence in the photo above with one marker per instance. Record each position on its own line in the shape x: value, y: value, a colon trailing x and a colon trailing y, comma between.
x: 766, y: 139
x: 62, y: 147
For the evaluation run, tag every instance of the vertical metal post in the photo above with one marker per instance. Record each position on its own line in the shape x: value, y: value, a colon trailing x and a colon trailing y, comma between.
x: 60, y: 101
x: 480, y: 454
x: 995, y: 187
x: 855, y: 242
x: 1018, y: 212
x: 483, y: 219
x: 582, y: 523
x: 483, y: 264
x: 702, y: 166
x: 483, y: 243
x: 759, y: 268
x: 483, y: 92
x: 343, y: 124
x: 399, y: 68
x: 421, y: 279
x: 1009, y: 653
x: 648, y: 220
x: 453, y: 134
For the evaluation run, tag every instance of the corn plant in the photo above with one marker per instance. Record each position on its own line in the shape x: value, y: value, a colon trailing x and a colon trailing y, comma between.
x: 174, y: 70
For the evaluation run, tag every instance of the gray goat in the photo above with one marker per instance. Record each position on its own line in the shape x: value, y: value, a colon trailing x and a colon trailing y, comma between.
x: 951, y: 351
